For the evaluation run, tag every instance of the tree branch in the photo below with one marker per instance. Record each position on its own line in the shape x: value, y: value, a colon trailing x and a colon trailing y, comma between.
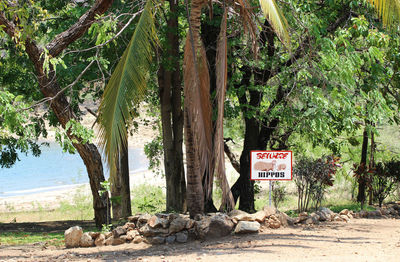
x: 62, y: 40
x: 232, y: 158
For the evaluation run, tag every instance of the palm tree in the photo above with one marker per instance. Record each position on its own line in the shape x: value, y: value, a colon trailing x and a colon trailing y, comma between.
x: 128, y: 84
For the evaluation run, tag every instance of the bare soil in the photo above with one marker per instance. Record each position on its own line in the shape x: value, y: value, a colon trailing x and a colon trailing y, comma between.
x: 358, y: 240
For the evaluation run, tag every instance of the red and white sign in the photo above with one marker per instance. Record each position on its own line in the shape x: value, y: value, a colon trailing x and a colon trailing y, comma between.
x: 271, y: 165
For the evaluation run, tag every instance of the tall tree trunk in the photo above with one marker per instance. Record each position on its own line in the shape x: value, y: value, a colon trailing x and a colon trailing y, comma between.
x: 362, y: 168
x: 90, y: 155
x: 120, y: 188
x: 371, y: 166
x: 126, y: 209
x: 195, y: 194
x: 169, y: 81
x: 209, y: 35
x: 50, y: 88
x: 115, y: 188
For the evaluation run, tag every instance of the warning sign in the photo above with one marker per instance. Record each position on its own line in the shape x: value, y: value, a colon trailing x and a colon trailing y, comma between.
x: 271, y: 165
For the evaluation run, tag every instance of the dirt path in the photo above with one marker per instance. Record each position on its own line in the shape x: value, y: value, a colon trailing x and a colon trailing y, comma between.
x: 358, y: 240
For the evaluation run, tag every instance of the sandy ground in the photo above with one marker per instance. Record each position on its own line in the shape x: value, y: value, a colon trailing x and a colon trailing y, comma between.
x: 358, y: 240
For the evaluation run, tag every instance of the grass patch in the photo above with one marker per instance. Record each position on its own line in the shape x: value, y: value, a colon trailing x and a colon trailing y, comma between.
x: 356, y: 207
x: 148, y: 199
x: 29, y: 238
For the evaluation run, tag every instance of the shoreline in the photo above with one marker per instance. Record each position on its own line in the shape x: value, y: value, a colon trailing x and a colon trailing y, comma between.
x: 52, y: 199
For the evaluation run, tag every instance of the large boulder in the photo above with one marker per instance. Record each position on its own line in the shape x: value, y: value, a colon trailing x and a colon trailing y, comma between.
x: 322, y: 216
x: 178, y: 224
x: 157, y: 240
x: 269, y: 211
x: 273, y: 222
x: 100, y: 240
x: 73, y: 236
x: 215, y: 226
x: 130, y: 235
x: 284, y: 219
x: 118, y: 231
x: 182, y: 237
x: 86, y: 240
x: 156, y: 222
x: 244, y: 227
x: 148, y: 231
x: 259, y: 216
x: 236, y: 212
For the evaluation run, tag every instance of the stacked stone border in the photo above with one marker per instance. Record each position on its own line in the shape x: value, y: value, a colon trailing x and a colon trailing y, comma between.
x: 170, y: 228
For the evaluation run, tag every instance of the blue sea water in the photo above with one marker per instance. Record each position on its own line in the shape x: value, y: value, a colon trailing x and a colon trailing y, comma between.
x: 53, y: 170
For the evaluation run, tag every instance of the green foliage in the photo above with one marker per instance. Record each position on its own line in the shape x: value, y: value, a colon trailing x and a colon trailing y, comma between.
x: 385, y: 179
x: 154, y: 152
x: 82, y: 135
x: 312, y: 177
x: 147, y: 198
x: 278, y: 193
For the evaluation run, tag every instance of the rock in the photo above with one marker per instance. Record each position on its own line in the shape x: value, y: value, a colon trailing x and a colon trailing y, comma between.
x: 73, y: 236
x: 303, y: 214
x: 322, y: 216
x: 344, y: 218
x: 309, y: 221
x: 337, y: 218
x: 178, y: 224
x: 130, y: 235
x: 86, y: 240
x: 350, y: 216
x: 283, y: 218
x: 144, y: 218
x: 273, y: 222
x: 118, y: 240
x: 170, y: 239
x: 134, y: 218
x: 108, y: 234
x: 100, y: 240
x: 269, y: 211
x: 129, y: 226
x: 296, y: 220
x: 148, y: 231
x: 156, y: 222
x: 344, y: 212
x: 214, y: 227
x: 244, y: 217
x: 325, y: 210
x: 157, y: 240
x: 118, y: 231
x: 259, y: 216
x: 190, y: 224
x: 109, y: 241
x: 375, y: 213
x: 182, y: 237
x: 236, y: 212
x: 363, y: 214
x: 247, y: 227
x: 94, y: 235
x: 137, y: 239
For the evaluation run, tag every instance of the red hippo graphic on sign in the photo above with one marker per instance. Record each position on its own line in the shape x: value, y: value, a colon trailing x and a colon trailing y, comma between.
x: 265, y: 166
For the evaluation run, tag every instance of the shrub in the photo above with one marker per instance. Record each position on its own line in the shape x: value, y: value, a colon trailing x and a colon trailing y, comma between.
x: 278, y: 193
x: 384, y: 178
x: 312, y: 177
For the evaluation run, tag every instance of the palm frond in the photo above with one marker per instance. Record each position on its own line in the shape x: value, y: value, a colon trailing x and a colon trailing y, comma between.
x: 387, y: 10
x: 126, y: 87
x: 276, y: 19
x: 222, y: 75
